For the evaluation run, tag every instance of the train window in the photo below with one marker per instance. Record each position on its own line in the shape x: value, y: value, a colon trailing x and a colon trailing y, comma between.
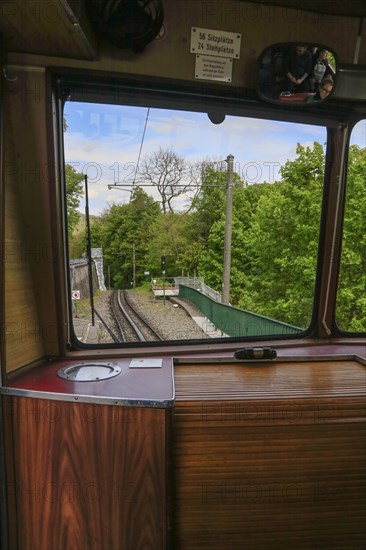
x: 217, y: 220
x: 351, y: 297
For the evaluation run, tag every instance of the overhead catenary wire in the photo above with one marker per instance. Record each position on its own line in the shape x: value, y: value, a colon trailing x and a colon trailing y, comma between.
x: 186, y: 186
x: 123, y: 185
x: 139, y: 155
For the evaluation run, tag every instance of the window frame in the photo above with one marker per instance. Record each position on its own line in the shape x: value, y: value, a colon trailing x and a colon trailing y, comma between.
x: 338, y: 331
x: 179, y: 95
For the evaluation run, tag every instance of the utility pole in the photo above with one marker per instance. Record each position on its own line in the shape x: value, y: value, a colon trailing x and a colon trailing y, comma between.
x: 228, y: 230
x: 133, y: 266
x: 163, y: 269
x: 88, y: 250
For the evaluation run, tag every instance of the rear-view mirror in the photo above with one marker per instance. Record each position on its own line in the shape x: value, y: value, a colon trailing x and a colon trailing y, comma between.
x: 296, y: 73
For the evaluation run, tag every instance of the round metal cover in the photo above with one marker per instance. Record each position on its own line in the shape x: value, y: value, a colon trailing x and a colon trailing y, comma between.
x: 89, y: 372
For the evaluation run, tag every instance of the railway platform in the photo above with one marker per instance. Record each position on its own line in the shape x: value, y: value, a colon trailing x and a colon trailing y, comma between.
x: 205, y: 325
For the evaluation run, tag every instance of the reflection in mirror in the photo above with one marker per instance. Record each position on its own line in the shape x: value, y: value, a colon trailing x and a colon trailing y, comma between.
x: 293, y: 73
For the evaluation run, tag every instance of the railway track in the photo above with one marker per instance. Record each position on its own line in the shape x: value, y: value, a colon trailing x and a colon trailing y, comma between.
x: 132, y: 327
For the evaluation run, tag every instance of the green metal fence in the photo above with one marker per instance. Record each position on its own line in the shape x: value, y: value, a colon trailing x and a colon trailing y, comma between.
x: 234, y: 321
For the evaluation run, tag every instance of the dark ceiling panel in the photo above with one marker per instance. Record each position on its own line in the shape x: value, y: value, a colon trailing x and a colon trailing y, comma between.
x: 53, y: 27
x: 352, y: 8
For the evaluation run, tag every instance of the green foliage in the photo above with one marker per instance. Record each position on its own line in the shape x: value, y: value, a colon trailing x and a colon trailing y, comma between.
x: 282, y: 242
x: 169, y: 240
x: 275, y: 235
x: 124, y: 233
x: 209, y: 205
x: 77, y: 241
x: 74, y: 190
x: 351, y: 298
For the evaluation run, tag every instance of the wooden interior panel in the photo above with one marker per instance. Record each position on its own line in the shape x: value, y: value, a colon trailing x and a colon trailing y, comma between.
x: 2, y: 210
x: 260, y: 25
x: 88, y: 476
x: 30, y: 315
x: 32, y: 248
x: 270, y: 456
x: 58, y: 27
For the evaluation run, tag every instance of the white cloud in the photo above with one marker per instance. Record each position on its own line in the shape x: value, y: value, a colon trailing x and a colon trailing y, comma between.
x: 260, y: 147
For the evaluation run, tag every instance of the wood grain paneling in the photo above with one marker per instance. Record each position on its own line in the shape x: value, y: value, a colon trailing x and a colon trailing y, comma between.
x: 270, y: 456
x: 88, y: 476
x: 30, y: 312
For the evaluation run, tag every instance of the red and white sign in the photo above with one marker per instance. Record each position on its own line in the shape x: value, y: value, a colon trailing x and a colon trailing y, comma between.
x: 75, y: 294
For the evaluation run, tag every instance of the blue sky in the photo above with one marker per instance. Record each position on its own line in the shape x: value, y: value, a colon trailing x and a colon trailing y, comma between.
x: 358, y: 135
x: 104, y: 142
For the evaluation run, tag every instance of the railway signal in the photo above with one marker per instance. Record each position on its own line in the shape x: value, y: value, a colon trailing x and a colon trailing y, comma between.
x: 163, y: 268
x: 163, y: 264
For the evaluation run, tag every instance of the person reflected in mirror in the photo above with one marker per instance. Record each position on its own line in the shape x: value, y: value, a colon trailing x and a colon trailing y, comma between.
x: 320, y: 68
x: 325, y: 87
x: 298, y: 64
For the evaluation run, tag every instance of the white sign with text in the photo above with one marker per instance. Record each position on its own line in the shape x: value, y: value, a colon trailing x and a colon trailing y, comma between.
x: 217, y: 43
x: 213, y: 68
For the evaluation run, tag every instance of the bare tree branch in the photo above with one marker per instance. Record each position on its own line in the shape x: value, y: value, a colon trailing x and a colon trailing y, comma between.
x: 170, y: 173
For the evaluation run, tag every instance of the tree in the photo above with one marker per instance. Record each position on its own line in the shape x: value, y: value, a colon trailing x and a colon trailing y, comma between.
x: 124, y: 231
x: 169, y: 173
x: 209, y: 204
x: 351, y: 297
x: 282, y: 242
x: 207, y: 226
x: 168, y: 239
x: 74, y: 190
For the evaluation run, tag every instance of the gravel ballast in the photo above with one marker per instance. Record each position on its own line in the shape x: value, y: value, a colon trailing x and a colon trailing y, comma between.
x: 170, y: 321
